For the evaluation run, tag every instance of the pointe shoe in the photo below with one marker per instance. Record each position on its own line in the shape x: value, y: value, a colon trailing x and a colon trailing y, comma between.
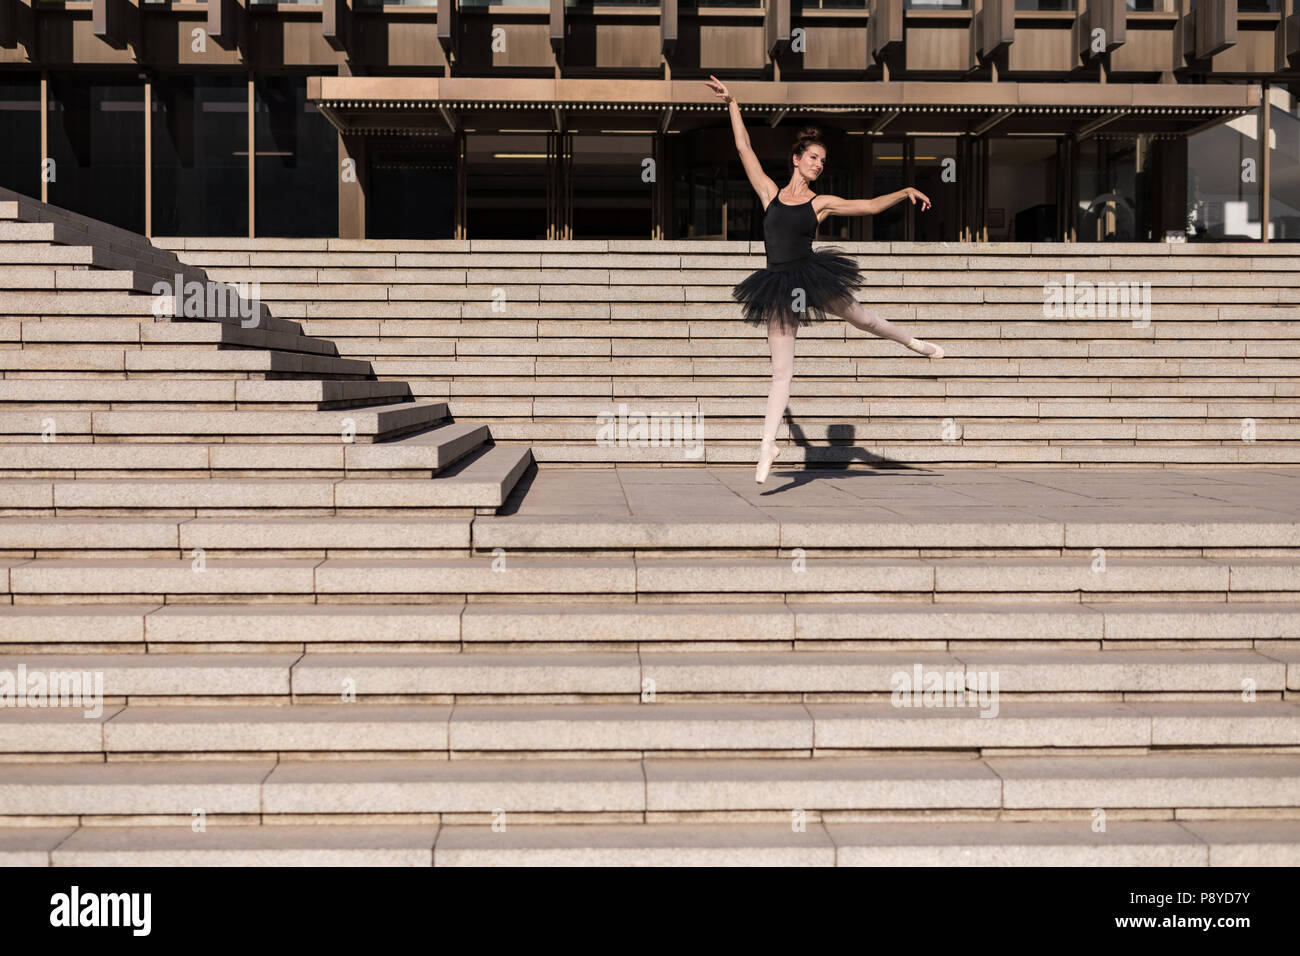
x: 916, y: 345
x: 768, y: 452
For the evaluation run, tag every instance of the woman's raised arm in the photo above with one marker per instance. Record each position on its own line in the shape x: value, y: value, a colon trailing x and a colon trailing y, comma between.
x: 761, y: 182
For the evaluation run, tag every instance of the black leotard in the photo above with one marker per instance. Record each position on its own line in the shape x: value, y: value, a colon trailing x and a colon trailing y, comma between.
x: 788, y: 231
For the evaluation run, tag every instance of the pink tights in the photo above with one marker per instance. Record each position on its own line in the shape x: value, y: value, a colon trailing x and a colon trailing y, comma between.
x: 782, y: 346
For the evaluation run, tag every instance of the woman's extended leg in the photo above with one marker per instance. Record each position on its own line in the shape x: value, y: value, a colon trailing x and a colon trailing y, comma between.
x: 781, y: 343
x: 867, y: 321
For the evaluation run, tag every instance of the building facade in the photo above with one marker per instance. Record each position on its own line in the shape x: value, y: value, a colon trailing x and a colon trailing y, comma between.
x: 1025, y: 120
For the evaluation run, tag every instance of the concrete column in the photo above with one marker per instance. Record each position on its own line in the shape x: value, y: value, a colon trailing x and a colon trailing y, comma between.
x: 352, y: 195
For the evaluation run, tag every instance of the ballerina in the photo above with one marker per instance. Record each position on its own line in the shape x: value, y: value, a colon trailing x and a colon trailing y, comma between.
x: 799, y: 285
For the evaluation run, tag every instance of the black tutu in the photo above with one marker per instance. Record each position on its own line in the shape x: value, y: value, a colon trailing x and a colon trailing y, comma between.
x: 828, y: 278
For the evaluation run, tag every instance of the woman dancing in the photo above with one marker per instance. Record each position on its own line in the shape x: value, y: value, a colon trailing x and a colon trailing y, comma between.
x: 800, y: 286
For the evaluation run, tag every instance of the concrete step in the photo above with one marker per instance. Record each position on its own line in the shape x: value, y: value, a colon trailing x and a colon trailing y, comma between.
x: 261, y: 535
x: 484, y: 482
x: 179, y: 362
x: 477, y: 676
x: 687, y: 392
x: 694, y: 246
x: 832, y: 843
x: 939, y: 523
x: 368, y: 423
x: 918, y: 527
x: 937, y: 581
x: 621, y: 270
x: 635, y: 729
x: 415, y: 456
x: 230, y: 394
x: 113, y: 313
x: 626, y: 316
x: 68, y: 334
x: 671, y: 285
x: 481, y: 478
x: 738, y: 348
x: 126, y: 603
x: 893, y: 363
x: 983, y: 413
x: 647, y: 790
x: 74, y: 278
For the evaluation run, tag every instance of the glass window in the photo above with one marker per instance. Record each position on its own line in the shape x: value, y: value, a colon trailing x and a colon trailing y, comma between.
x: 20, y: 133
x: 200, y: 155
x: 506, y: 175
x: 1109, y: 189
x: 1036, y: 5
x: 411, y: 188
x: 887, y: 171
x: 297, y: 165
x: 1284, y: 171
x: 1021, y: 198
x: 96, y: 139
x: 1219, y: 205
x: 934, y: 172
x: 611, y: 195
x: 697, y: 202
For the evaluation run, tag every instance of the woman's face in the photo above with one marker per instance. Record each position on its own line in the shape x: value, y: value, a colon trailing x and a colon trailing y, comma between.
x: 812, y: 162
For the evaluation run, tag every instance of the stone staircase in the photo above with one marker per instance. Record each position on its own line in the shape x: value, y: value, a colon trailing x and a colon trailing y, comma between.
x: 116, y: 405
x: 538, y: 339
x: 327, y: 662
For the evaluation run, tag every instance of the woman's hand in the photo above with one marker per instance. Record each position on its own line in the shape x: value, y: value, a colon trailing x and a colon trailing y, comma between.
x: 717, y: 87
x: 915, y: 194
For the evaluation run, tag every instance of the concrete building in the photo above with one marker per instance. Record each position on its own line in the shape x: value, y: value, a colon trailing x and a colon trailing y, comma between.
x: 1026, y: 120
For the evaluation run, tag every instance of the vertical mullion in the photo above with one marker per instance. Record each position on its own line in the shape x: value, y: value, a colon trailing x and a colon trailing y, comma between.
x: 1265, y: 164
x: 252, y: 160
x: 45, y: 131
x: 148, y: 159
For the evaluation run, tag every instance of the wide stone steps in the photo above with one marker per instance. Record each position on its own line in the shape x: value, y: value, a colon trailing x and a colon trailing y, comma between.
x: 223, y: 394
x: 585, y: 285
x: 1188, y: 531
x: 74, y: 277
x: 648, y: 322
x: 69, y: 335
x: 124, y: 614
x: 484, y: 482
x: 369, y: 423
x: 1013, y: 272
x: 955, y: 366
x: 634, y: 319
x: 939, y: 528
x: 831, y: 843
x: 171, y: 362
x: 958, y: 722
x: 736, y: 349
x: 537, y: 397
x: 799, y: 579
x: 24, y: 220
x: 418, y: 455
x: 648, y: 790
x: 477, y: 676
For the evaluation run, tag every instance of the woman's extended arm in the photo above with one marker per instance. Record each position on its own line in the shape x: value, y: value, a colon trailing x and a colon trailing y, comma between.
x: 761, y: 182
x: 836, y: 206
